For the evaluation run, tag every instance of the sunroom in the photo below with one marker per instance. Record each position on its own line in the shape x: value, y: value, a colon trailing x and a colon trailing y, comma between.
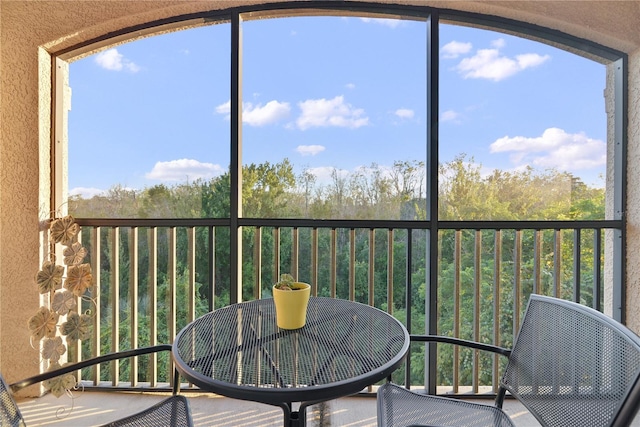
x: 438, y: 160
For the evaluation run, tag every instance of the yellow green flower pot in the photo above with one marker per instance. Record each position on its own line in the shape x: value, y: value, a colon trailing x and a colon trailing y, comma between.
x: 291, y: 305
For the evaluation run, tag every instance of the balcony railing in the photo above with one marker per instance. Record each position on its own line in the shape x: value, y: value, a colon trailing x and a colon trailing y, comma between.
x: 152, y: 277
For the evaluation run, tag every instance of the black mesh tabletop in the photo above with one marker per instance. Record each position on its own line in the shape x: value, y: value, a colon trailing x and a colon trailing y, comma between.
x: 238, y: 351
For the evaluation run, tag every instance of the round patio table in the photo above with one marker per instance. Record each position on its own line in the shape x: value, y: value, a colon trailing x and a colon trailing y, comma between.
x: 238, y: 351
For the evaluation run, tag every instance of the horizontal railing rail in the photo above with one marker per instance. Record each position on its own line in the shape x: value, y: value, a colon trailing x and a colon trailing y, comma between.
x: 153, y: 276
x: 348, y: 223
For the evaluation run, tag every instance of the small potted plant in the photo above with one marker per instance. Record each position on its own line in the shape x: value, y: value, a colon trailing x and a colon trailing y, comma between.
x: 291, y: 299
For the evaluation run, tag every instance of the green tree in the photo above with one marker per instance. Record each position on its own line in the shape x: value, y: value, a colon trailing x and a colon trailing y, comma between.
x: 267, y: 189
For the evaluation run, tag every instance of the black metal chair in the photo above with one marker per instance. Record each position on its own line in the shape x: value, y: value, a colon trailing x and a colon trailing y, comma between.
x: 570, y: 366
x: 173, y: 411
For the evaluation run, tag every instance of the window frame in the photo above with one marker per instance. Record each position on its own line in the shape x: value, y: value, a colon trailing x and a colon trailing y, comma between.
x: 616, y: 61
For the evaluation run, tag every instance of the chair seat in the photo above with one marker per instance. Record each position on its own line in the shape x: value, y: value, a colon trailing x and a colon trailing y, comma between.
x: 570, y: 366
x: 173, y: 412
x: 399, y: 407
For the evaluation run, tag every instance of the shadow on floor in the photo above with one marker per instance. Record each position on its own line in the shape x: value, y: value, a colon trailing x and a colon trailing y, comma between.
x: 91, y: 408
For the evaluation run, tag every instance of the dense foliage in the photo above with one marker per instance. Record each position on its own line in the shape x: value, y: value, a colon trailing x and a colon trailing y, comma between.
x: 498, y: 269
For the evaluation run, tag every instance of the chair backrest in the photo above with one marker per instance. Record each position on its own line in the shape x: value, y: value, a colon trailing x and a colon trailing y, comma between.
x: 574, y: 366
x: 9, y: 413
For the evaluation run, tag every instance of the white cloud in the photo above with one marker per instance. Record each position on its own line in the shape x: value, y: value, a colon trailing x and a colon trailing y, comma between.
x: 490, y: 64
x: 498, y: 43
x: 113, y: 60
x: 324, y: 174
x: 350, y: 86
x: 258, y: 115
x: 310, y: 150
x: 224, y: 108
x: 529, y: 60
x: 85, y: 192
x: 449, y: 116
x: 404, y: 113
x: 330, y: 112
x: 554, y: 149
x: 391, y: 23
x: 184, y: 170
x: 454, y: 49
x: 314, y: 113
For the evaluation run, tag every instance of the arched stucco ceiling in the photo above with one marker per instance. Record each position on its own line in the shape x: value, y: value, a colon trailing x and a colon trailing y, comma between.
x: 59, y: 25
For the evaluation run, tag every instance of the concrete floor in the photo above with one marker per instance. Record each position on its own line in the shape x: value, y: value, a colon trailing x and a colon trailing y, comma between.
x: 91, y: 408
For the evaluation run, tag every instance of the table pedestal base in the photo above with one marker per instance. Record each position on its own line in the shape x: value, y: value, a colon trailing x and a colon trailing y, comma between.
x: 294, y: 418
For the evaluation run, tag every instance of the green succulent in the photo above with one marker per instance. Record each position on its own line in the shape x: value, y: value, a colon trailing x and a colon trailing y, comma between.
x: 286, y: 282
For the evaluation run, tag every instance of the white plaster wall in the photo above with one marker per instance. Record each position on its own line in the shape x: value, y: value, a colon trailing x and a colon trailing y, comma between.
x: 30, y: 31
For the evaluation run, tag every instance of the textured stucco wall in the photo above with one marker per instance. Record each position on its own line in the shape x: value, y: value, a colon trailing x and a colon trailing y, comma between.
x: 30, y: 30
x: 633, y: 196
x: 1, y: 210
x: 20, y: 173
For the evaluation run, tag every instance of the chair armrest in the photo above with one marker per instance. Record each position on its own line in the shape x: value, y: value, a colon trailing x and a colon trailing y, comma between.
x: 89, y: 362
x: 457, y: 341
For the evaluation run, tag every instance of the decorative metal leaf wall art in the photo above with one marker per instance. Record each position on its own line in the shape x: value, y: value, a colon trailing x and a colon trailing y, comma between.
x: 74, y: 254
x: 43, y: 324
x: 77, y: 327
x: 53, y: 348
x: 64, y: 302
x: 64, y: 230
x: 49, y: 278
x: 64, y: 284
x: 59, y: 385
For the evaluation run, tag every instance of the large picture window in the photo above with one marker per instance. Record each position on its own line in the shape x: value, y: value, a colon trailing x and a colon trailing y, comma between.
x: 334, y: 124
x: 522, y: 129
x: 145, y: 139
x: 439, y: 167
x: 339, y: 114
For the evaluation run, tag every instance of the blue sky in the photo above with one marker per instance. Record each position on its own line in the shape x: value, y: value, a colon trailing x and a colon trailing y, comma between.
x: 329, y: 94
